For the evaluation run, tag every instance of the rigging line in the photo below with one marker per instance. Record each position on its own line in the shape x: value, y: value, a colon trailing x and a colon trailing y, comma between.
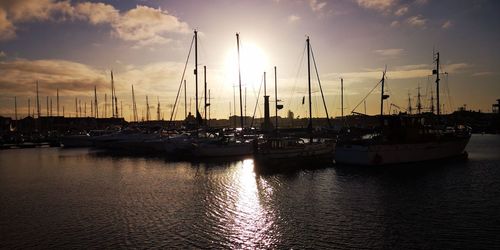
x: 364, y: 98
x: 257, y: 103
x: 320, y: 88
x: 299, y: 67
x: 182, y: 81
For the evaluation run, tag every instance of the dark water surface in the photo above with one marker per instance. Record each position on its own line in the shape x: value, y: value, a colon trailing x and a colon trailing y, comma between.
x: 77, y: 198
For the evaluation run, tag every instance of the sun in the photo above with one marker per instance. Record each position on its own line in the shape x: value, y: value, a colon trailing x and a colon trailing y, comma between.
x: 253, y: 63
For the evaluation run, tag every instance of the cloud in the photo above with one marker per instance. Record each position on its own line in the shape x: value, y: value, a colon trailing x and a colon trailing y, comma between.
x: 316, y: 5
x: 448, y: 24
x: 417, y: 21
x: 484, y: 73
x: 143, y: 25
x: 389, y: 52
x: 20, y: 75
x: 293, y: 18
x: 73, y: 78
x: 147, y: 25
x: 395, y: 24
x: 97, y: 13
x: 2, y: 54
x: 378, y: 5
x: 7, y: 29
x: 401, y: 11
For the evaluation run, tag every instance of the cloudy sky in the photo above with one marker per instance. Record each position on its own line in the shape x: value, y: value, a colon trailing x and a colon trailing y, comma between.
x: 73, y: 45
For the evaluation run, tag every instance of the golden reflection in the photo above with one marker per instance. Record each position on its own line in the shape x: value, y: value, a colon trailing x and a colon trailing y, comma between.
x: 253, y: 220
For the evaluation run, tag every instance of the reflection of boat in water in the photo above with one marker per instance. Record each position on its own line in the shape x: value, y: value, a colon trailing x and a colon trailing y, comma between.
x: 403, y: 139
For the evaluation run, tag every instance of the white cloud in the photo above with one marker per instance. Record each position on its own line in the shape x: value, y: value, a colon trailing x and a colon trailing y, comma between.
x: 316, y: 5
x: 2, y: 54
x: 97, y: 13
x: 448, y: 24
x: 147, y: 25
x: 293, y: 18
x: 401, y: 11
x: 378, y: 5
x: 389, y: 52
x: 395, y: 24
x: 417, y: 21
x: 143, y: 25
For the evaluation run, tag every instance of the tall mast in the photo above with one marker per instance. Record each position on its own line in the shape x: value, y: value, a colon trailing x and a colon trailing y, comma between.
x: 92, y: 109
x: 105, y: 105
x: 309, y: 83
x: 158, y: 109
x: 96, y: 106
x: 185, y: 100
x: 48, y: 106
x: 432, y: 102
x: 196, y: 73
x: 29, y: 106
x: 239, y: 77
x: 134, y: 107
x: 276, y: 97
x: 409, y: 103
x: 76, y: 107
x: 437, y: 83
x: 209, y: 101
x: 147, y: 109
x: 112, y: 96
x: 51, y: 106
x: 419, y: 104
x: 342, y: 98
x: 382, y: 96
x: 57, y: 101
x: 37, y: 101
x: 205, y: 89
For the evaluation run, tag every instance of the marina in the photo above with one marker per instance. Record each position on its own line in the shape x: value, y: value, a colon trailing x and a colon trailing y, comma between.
x: 305, y: 124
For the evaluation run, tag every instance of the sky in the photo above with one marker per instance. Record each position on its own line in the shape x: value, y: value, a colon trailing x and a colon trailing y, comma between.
x: 73, y: 45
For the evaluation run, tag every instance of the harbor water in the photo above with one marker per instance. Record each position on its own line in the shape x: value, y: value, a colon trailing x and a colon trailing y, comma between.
x: 81, y: 198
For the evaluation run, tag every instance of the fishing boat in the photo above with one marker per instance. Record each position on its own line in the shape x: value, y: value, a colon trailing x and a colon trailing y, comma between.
x: 274, y: 151
x: 403, y: 138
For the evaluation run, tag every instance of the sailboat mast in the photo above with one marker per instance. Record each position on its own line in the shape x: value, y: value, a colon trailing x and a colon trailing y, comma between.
x: 112, y: 96
x: 382, y: 95
x: 239, y: 77
x: 205, y: 88
x: 437, y: 83
x: 57, y: 102
x: 419, y: 104
x: 37, y: 101
x: 147, y: 109
x: 342, y: 98
x: 185, y: 100
x: 309, y: 83
x: 276, y: 97
x: 96, y: 106
x: 196, y: 73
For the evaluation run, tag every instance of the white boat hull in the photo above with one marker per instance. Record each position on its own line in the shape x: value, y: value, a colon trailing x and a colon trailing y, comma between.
x: 399, y: 153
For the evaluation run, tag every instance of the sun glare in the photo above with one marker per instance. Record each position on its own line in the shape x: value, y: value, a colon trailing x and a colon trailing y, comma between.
x: 253, y: 63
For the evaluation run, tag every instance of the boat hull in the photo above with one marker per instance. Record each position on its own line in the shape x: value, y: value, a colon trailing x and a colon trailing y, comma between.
x: 399, y: 153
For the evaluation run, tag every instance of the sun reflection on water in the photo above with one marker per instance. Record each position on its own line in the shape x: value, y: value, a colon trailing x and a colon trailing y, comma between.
x: 253, y: 221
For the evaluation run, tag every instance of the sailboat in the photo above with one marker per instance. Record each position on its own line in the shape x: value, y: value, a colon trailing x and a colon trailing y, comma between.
x: 403, y: 138
x: 273, y: 151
